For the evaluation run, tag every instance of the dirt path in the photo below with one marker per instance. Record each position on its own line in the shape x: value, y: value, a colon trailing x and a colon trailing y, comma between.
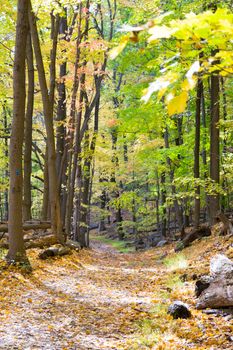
x: 89, y: 300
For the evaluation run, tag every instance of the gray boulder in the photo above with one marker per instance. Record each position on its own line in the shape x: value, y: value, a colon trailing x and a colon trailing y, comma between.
x: 178, y: 309
x: 162, y: 243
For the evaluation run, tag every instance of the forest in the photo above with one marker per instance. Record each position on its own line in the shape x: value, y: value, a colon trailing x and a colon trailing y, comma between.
x: 116, y: 190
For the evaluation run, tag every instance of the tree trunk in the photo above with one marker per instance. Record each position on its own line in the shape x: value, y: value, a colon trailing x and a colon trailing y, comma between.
x: 163, y: 203
x: 45, y: 208
x: 28, y: 134
x: 61, y: 128
x: 225, y: 200
x: 17, y: 250
x: 6, y: 153
x: 227, y: 224
x: 204, y: 153
x: 72, y: 164
x: 196, y: 154
x: 214, y: 144
x: 61, y: 107
x: 178, y: 210
x: 53, y: 179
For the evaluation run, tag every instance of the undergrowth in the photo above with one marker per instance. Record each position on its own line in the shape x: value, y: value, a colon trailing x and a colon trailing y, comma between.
x: 118, y: 245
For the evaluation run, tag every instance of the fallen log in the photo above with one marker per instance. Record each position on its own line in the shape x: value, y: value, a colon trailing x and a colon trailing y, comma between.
x: 28, y: 226
x: 202, y: 231
x: 54, y: 251
x: 227, y: 228
x: 40, y: 242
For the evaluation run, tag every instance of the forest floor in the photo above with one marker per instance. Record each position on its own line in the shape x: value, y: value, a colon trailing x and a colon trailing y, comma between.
x: 103, y: 299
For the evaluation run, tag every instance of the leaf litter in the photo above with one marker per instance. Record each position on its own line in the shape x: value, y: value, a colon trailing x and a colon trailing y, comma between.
x: 101, y: 299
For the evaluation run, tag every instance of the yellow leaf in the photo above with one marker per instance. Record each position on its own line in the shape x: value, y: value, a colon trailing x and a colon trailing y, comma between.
x: 159, y: 32
x: 118, y: 49
x: 189, y: 84
x: 177, y: 104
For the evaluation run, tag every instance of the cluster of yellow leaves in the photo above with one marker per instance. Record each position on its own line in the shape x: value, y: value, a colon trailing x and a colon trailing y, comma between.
x: 194, y: 35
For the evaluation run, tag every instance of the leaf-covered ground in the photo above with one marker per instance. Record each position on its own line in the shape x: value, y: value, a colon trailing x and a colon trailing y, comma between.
x: 103, y: 299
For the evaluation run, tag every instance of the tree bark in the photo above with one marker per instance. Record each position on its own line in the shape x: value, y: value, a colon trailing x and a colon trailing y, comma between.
x: 178, y: 210
x: 197, y: 204
x: 204, y: 153
x: 48, y: 115
x: 6, y: 153
x: 214, y: 144
x: 61, y: 107
x: 163, y: 203
x: 61, y: 161
x: 45, y: 214
x: 70, y: 143
x: 28, y: 134
x: 17, y: 250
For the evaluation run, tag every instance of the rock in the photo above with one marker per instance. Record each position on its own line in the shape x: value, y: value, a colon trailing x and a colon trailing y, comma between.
x: 217, y: 292
x: 140, y: 244
x: 202, y: 284
x: 179, y: 310
x: 162, y: 243
x: 73, y: 245
x: 221, y: 265
x: 154, y: 239
x: 226, y: 313
x: 180, y: 246
x: 184, y: 277
x: 230, y: 338
x: 194, y: 277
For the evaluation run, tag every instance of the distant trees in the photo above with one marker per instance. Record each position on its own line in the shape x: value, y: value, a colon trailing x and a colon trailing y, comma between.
x: 89, y: 138
x: 188, y: 63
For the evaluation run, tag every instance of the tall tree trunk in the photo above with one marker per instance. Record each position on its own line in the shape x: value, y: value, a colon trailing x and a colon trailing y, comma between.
x: 61, y: 128
x: 214, y: 144
x: 70, y: 143
x: 103, y: 201
x: 48, y: 114
x: 178, y: 210
x: 115, y: 164
x: 204, y: 153
x: 197, y: 154
x: 45, y: 215
x: 163, y: 203
x: 27, y: 201
x: 6, y: 153
x: 16, y: 244
x: 88, y: 177
x: 225, y: 200
x: 75, y: 169
x: 157, y: 203
x: 61, y: 107
x: 86, y: 174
